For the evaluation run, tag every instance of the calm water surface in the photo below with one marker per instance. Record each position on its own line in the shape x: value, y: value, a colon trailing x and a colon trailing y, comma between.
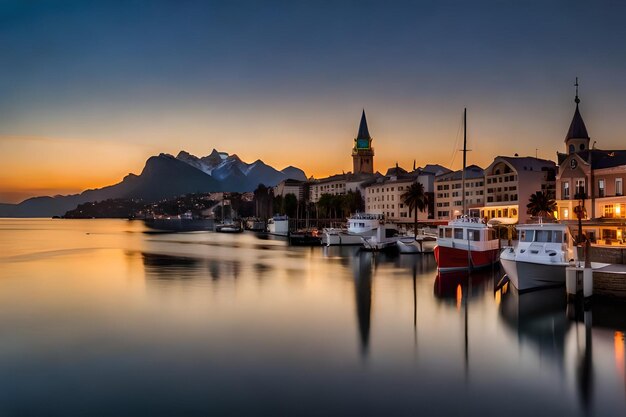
x: 98, y: 317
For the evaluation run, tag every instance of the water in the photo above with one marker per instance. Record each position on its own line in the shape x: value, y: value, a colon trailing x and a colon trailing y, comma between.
x: 98, y: 317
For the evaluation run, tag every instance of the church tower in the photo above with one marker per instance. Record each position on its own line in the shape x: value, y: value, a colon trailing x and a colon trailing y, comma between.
x: 577, y: 138
x: 362, y: 152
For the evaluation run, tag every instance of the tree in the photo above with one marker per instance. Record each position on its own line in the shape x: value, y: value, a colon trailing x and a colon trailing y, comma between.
x: 291, y: 205
x: 416, y: 199
x: 541, y: 205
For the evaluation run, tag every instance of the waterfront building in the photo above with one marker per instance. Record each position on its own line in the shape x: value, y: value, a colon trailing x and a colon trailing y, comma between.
x: 509, y: 183
x: 448, y: 189
x: 383, y: 195
x: 594, y: 178
x: 291, y: 186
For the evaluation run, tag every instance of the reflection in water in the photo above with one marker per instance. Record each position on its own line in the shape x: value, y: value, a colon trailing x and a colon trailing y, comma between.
x: 170, y: 267
x: 538, y: 318
x: 362, y: 271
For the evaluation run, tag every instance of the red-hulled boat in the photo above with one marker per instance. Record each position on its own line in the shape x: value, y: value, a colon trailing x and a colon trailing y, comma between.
x: 466, y: 243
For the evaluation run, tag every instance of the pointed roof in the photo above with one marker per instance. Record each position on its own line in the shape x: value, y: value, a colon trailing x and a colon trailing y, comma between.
x: 363, y: 131
x: 577, y: 129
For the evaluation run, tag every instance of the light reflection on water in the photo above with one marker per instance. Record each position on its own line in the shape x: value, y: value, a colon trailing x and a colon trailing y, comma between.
x: 99, y: 317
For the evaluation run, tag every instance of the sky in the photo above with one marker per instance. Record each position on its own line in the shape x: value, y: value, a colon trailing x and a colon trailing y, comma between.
x: 90, y: 89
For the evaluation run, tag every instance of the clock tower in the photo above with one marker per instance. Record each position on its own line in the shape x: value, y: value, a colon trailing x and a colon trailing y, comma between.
x: 362, y: 152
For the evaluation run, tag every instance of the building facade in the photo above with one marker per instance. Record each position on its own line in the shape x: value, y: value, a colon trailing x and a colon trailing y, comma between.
x: 509, y: 183
x: 594, y: 179
x: 448, y: 193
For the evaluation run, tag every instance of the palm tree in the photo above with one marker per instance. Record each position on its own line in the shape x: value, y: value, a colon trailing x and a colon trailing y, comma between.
x: 541, y: 205
x: 416, y: 199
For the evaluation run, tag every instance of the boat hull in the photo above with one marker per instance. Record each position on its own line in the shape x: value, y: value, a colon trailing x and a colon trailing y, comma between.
x: 454, y: 259
x: 528, y: 276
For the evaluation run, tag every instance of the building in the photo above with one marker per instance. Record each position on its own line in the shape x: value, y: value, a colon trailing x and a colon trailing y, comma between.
x: 383, y: 195
x: 592, y: 178
x: 291, y: 186
x: 448, y: 190
x: 362, y: 152
x: 509, y: 183
x: 363, y: 164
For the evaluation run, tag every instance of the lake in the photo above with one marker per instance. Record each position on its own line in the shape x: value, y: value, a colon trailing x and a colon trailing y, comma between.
x: 103, y: 317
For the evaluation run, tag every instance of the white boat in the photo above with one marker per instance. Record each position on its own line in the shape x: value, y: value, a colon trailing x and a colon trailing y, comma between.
x: 384, y: 238
x: 229, y: 227
x: 360, y: 225
x: 540, y: 257
x: 423, y: 242
x: 278, y: 225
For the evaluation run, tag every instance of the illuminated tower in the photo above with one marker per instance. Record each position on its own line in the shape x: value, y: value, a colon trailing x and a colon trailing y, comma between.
x: 577, y: 138
x: 362, y: 152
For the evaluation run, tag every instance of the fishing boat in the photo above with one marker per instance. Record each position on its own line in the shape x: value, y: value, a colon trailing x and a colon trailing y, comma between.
x: 305, y: 237
x: 540, y: 258
x: 466, y: 242
x: 359, y: 226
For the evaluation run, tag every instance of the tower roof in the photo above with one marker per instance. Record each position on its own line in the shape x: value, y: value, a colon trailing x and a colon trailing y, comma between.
x: 577, y: 129
x: 363, y: 131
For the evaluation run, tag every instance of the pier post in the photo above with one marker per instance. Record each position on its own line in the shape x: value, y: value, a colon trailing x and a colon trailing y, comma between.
x: 571, y: 282
x: 587, y: 283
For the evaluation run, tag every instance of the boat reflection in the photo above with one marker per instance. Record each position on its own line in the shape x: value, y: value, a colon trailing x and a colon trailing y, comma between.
x: 172, y: 267
x: 362, y: 264
x: 454, y: 285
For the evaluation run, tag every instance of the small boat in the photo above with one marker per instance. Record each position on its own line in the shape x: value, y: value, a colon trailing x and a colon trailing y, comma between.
x: 384, y: 239
x: 423, y: 242
x: 541, y: 256
x: 278, y: 225
x: 229, y: 226
x: 359, y: 225
x: 255, y: 225
x: 305, y: 238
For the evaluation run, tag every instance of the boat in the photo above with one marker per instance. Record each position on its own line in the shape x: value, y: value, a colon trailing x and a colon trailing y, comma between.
x: 385, y: 238
x: 541, y: 256
x: 229, y: 226
x: 423, y: 242
x: 255, y: 225
x: 278, y: 225
x: 359, y: 225
x: 307, y: 237
x: 466, y: 243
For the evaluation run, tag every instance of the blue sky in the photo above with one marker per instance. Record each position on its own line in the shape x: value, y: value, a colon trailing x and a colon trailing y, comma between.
x: 270, y: 79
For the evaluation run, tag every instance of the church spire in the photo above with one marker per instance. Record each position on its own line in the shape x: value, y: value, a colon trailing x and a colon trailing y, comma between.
x: 363, y: 131
x: 577, y: 129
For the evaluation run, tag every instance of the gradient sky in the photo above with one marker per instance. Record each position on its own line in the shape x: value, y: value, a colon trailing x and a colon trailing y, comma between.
x: 89, y: 90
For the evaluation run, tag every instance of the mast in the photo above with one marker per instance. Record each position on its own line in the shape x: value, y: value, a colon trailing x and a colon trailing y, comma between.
x: 464, y: 159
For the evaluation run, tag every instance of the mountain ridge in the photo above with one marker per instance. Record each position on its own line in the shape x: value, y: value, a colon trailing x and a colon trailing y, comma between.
x: 164, y: 176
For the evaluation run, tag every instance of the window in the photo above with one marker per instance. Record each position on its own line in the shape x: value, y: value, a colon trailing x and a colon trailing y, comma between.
x: 557, y: 236
x: 448, y: 232
x: 618, y: 186
x: 527, y: 235
x: 580, y: 188
x: 601, y: 188
x: 543, y: 235
x: 566, y: 190
x: 458, y: 233
x: 473, y: 235
x: 571, y: 149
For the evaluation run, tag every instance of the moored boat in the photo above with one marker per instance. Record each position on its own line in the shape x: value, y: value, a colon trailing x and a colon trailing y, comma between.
x: 466, y: 243
x: 540, y: 258
x: 359, y: 225
x: 278, y: 225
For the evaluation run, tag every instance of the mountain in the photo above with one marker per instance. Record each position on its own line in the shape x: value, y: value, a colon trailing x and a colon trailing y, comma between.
x: 163, y: 176
x: 294, y: 173
x: 237, y: 175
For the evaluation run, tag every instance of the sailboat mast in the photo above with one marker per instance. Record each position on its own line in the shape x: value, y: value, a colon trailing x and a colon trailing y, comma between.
x: 464, y: 159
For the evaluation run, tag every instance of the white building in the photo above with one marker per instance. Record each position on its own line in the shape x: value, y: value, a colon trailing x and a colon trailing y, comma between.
x: 448, y: 190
